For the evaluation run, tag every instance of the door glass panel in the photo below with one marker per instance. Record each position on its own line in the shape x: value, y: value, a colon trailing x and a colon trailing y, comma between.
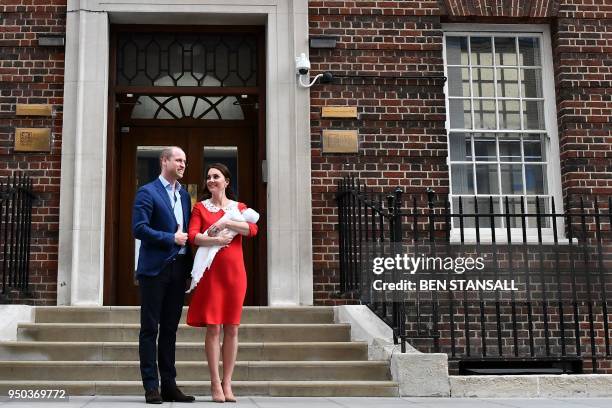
x: 188, y: 107
x: 147, y: 164
x: 227, y: 155
x: 147, y: 169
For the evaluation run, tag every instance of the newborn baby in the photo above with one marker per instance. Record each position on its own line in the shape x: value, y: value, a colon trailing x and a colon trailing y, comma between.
x: 206, y: 254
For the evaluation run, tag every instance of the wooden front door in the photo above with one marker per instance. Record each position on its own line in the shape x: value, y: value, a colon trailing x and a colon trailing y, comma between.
x: 140, y: 147
x: 202, y: 88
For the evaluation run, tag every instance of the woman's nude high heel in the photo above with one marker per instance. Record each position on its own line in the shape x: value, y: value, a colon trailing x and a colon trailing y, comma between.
x: 231, y: 398
x: 217, y: 396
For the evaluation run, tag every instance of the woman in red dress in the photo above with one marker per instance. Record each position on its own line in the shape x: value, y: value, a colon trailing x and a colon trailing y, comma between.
x: 219, y: 296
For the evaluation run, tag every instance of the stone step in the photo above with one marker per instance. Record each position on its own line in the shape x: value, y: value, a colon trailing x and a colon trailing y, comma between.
x: 202, y: 388
x: 87, y: 332
x: 131, y: 314
x: 283, y: 351
x: 197, y: 370
x: 128, y: 351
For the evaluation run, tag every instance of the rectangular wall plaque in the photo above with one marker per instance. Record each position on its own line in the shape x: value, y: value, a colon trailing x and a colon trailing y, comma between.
x: 33, y: 109
x: 32, y: 140
x: 339, y: 112
x: 340, y: 141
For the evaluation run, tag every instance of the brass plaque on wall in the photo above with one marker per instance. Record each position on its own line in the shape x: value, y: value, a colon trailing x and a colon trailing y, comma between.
x: 339, y: 112
x: 32, y: 140
x: 340, y: 141
x: 33, y: 109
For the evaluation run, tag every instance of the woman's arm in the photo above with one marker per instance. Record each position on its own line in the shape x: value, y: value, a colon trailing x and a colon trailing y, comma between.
x: 251, y: 228
x: 203, y: 240
x: 241, y: 227
x: 195, y: 226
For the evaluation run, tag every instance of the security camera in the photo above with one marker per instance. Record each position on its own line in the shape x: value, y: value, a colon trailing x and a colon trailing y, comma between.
x: 302, y: 64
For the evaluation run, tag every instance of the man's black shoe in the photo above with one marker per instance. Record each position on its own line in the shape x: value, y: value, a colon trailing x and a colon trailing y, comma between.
x: 153, y: 397
x: 175, y: 395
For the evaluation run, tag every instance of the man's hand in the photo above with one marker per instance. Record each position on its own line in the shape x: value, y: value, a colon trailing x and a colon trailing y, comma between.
x: 224, y: 238
x: 180, y: 237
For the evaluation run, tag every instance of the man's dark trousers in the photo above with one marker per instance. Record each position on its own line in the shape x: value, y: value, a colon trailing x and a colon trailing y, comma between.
x: 162, y: 298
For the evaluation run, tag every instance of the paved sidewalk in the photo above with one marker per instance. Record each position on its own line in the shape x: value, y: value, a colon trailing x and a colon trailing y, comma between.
x: 335, y: 402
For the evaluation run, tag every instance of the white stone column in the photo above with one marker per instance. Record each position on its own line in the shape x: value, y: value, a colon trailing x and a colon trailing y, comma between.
x: 82, y: 189
x: 303, y: 193
x: 288, y: 148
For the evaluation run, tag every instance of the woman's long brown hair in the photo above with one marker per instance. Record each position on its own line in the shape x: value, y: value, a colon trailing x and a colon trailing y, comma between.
x: 229, y: 193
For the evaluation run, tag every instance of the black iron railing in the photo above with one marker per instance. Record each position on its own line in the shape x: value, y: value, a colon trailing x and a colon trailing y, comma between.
x: 559, y: 322
x: 16, y: 200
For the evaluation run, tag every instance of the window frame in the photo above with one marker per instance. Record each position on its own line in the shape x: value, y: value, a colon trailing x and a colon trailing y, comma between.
x: 553, y: 171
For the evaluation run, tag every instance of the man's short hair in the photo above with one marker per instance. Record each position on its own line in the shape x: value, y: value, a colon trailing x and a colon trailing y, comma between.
x: 167, y: 153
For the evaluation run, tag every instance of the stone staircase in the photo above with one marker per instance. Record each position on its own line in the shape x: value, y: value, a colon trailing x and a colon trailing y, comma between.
x: 296, y: 351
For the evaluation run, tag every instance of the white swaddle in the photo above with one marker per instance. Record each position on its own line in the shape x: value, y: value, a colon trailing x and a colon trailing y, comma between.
x: 206, y: 254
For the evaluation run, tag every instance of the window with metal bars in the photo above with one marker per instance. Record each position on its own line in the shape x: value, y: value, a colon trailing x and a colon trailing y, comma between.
x: 499, y: 133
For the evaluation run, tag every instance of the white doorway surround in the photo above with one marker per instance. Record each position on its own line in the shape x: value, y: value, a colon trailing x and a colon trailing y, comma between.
x: 84, y: 135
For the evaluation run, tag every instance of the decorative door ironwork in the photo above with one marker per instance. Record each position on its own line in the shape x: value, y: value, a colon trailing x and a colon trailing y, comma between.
x: 187, y: 59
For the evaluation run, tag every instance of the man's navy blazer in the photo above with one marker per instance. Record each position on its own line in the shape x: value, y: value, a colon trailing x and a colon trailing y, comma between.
x: 154, y: 224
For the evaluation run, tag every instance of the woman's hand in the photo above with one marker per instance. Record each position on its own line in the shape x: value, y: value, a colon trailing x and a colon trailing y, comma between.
x: 224, y: 238
x: 217, y: 227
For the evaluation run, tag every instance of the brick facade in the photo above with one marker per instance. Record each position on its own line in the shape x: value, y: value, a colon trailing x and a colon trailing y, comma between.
x: 582, y: 49
x: 34, y: 75
x: 381, y: 48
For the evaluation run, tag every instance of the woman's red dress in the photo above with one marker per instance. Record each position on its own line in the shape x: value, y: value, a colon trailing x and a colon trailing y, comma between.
x: 219, y: 296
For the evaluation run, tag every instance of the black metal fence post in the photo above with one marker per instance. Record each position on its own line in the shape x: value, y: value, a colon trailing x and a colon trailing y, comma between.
x: 16, y: 201
x: 400, y: 307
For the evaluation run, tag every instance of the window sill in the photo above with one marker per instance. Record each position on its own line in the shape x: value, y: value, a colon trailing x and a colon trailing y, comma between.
x: 516, y: 237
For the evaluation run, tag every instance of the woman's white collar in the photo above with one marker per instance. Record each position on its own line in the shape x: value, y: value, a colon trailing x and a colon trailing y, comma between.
x: 213, y: 208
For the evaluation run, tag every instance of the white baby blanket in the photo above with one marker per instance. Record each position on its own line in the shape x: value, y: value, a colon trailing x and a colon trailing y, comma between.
x: 206, y: 254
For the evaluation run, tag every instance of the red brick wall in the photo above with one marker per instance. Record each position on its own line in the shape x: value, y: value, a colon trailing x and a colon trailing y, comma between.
x: 33, y: 74
x: 401, y: 121
x: 401, y: 124
x: 582, y: 48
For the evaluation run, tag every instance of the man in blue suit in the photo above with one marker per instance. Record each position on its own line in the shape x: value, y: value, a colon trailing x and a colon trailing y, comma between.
x: 160, y: 220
